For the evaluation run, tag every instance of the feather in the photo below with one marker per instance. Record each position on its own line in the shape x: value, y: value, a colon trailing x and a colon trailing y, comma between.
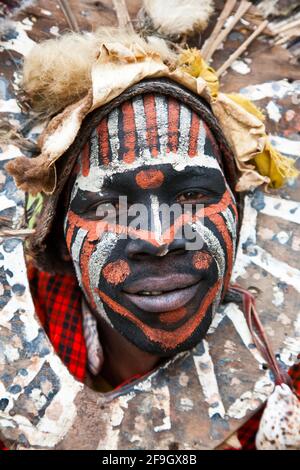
x: 178, y: 17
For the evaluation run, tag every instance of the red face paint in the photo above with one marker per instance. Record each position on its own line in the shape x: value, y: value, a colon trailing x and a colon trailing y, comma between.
x: 116, y: 272
x: 202, y: 260
x: 149, y: 179
x: 173, y: 316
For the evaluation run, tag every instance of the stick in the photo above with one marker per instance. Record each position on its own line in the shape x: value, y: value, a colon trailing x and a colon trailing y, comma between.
x: 244, y: 6
x: 229, y: 5
x: 285, y: 38
x: 16, y: 232
x: 287, y: 26
x: 123, y: 17
x: 242, y: 48
x: 69, y: 15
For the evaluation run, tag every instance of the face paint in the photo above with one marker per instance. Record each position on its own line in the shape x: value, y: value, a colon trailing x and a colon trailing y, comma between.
x: 149, y: 179
x: 144, y: 282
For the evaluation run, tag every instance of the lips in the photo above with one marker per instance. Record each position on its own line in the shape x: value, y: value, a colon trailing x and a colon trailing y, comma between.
x: 157, y: 294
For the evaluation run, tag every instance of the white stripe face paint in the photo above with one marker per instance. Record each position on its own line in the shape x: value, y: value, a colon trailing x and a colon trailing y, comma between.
x: 94, y: 181
x: 231, y: 225
x: 217, y: 253
x: 162, y: 123
x: 184, y: 134
x: 65, y: 223
x: 201, y: 139
x: 97, y: 261
x: 230, y: 222
x: 113, y: 119
x: 179, y: 160
x: 140, y: 124
x: 75, y: 252
x: 94, y: 149
x: 156, y: 218
x: 213, y: 245
x: 78, y: 244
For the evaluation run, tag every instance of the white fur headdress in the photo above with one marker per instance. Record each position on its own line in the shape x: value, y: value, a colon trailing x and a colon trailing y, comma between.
x: 176, y: 17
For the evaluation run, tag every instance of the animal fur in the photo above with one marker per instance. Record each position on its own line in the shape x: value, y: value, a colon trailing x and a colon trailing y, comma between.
x: 179, y: 17
x: 57, y: 72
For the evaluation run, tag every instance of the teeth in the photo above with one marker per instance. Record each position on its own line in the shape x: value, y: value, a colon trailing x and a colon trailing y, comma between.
x: 146, y: 292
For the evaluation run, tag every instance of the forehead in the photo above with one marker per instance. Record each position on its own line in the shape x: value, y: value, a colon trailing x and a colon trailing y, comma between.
x: 150, y: 129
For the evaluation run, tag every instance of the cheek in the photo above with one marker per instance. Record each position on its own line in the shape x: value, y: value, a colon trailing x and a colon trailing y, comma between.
x: 218, y: 229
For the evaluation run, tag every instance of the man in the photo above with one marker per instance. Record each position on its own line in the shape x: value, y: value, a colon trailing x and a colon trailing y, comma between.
x: 149, y: 290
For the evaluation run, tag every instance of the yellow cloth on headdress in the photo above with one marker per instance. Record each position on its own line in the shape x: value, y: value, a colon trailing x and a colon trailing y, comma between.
x: 191, y: 62
x: 269, y: 162
x: 274, y: 165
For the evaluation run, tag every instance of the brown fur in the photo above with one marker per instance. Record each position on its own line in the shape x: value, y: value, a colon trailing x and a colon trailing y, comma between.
x: 32, y: 175
x: 39, y: 174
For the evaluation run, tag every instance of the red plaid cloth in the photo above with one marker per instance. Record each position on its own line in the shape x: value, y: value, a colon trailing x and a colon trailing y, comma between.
x: 57, y: 300
x: 57, y: 303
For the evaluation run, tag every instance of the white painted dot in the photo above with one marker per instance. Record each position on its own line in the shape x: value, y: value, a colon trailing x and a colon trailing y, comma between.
x: 283, y: 237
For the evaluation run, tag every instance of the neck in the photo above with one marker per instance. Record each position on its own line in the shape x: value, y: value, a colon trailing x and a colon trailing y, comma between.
x: 122, y: 360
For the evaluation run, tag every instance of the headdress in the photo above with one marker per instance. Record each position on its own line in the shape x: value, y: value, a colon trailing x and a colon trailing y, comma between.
x: 76, y: 74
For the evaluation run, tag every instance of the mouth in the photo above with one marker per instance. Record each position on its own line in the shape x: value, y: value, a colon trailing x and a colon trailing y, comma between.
x: 157, y: 295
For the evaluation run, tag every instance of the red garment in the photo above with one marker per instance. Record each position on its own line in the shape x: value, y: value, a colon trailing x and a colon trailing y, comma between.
x: 57, y: 303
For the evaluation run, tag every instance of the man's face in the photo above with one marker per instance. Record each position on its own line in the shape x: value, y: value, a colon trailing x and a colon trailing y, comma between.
x: 157, y: 280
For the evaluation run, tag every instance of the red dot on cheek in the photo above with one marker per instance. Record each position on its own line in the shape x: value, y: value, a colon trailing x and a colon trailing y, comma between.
x: 116, y: 272
x: 202, y: 260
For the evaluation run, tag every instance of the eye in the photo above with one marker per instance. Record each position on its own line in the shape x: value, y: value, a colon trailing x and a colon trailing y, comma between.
x: 104, y: 210
x: 192, y: 197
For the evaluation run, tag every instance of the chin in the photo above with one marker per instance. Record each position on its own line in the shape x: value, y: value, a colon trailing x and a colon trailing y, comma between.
x: 138, y: 339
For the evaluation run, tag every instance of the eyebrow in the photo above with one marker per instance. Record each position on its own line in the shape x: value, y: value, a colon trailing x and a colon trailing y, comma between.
x: 207, y: 178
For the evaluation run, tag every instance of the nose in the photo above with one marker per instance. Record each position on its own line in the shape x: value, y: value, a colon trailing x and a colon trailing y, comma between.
x: 140, y: 249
